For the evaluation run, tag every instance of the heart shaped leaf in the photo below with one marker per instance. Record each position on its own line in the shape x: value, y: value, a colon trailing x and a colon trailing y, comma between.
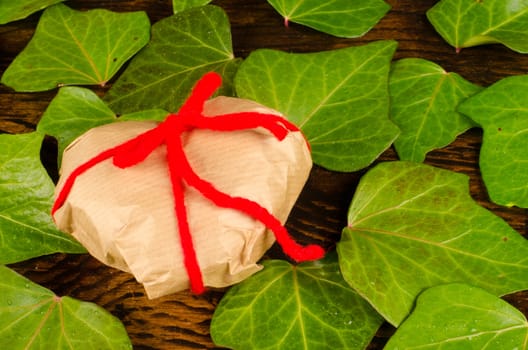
x: 32, y: 317
x: 465, y: 23
x: 459, y: 316
x: 502, y: 111
x: 183, y: 48
x: 182, y: 5
x: 342, y: 18
x: 26, y: 228
x: 76, y: 110
x: 338, y: 98
x: 308, y: 306
x: 72, y: 47
x: 15, y: 10
x: 412, y: 226
x: 424, y: 98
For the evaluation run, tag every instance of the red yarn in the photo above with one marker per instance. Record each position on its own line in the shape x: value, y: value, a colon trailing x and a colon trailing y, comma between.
x: 169, y: 133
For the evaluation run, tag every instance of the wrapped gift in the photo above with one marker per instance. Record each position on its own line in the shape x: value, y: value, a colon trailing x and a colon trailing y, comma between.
x: 193, y: 201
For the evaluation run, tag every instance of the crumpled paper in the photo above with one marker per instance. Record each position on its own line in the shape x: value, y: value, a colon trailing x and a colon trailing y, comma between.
x: 125, y: 217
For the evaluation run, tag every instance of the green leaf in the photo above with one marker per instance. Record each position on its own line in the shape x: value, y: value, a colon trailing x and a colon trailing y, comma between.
x: 308, y: 306
x: 424, y: 98
x: 32, y: 317
x: 71, y: 113
x: 182, y: 5
x: 465, y: 23
x: 342, y: 18
x: 149, y: 114
x: 11, y: 10
x: 183, y: 48
x: 502, y: 111
x: 412, y: 226
x: 73, y: 47
x: 459, y: 316
x: 26, y: 228
x: 338, y: 98
x: 76, y: 110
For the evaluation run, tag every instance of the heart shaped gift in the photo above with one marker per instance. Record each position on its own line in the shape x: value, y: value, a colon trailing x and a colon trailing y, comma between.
x: 193, y: 201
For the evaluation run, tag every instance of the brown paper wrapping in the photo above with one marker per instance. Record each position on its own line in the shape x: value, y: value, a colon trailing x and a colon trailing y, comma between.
x: 125, y: 217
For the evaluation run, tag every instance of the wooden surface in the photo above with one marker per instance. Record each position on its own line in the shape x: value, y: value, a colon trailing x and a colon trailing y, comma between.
x: 181, y: 321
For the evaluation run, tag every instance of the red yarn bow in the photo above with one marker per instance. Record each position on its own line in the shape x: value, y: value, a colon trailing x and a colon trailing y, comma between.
x: 169, y: 133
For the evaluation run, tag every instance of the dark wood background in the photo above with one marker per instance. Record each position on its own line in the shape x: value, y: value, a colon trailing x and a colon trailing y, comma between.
x: 181, y: 321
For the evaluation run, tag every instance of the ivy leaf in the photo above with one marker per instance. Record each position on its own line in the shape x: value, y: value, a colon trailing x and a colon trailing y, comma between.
x: 466, y: 23
x: 26, y: 228
x: 424, y: 98
x: 72, y: 112
x: 76, y: 110
x: 73, y: 47
x: 182, y: 5
x: 338, y: 98
x: 14, y: 10
x: 502, y: 111
x: 308, y: 306
x: 342, y: 18
x: 32, y: 317
x: 459, y: 316
x: 183, y: 48
x: 412, y: 226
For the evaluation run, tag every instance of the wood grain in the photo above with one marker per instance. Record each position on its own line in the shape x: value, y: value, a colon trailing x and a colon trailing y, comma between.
x: 181, y: 321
